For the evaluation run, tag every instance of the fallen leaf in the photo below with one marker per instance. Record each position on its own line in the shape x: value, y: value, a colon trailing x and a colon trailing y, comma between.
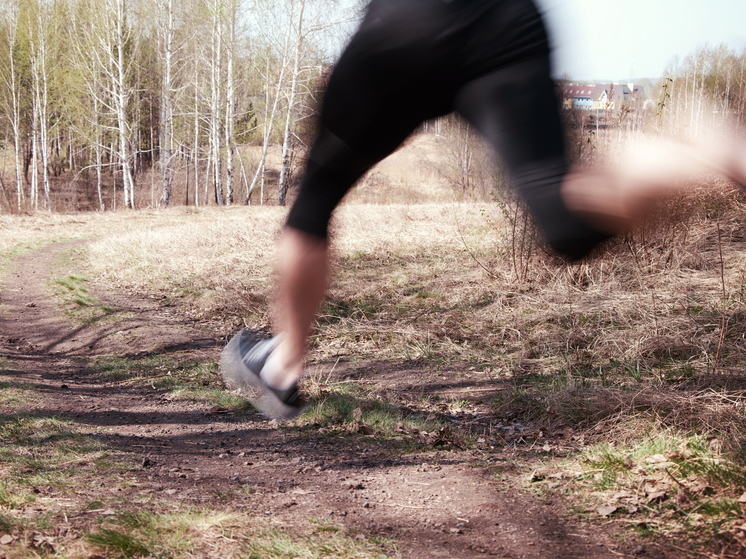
x: 656, y: 459
x: 656, y: 496
x: 6, y: 539
x: 606, y: 511
x: 742, y: 498
x: 704, y: 489
x: 218, y: 409
x: 536, y: 476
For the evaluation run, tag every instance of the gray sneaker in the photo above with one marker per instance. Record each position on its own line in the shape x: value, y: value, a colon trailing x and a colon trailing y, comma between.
x: 241, y: 363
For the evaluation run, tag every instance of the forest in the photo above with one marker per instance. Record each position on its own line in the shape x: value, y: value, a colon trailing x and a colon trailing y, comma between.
x: 110, y: 104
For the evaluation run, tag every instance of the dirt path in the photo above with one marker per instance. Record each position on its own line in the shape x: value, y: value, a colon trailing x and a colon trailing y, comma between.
x: 433, y: 504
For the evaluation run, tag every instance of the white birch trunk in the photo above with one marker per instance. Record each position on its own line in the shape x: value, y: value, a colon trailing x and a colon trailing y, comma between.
x: 286, y: 137
x: 167, y: 107
x: 230, y: 106
x: 11, y: 82
x: 215, y: 105
x: 268, y: 125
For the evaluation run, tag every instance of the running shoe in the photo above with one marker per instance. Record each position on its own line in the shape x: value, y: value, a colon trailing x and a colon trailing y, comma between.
x: 241, y: 363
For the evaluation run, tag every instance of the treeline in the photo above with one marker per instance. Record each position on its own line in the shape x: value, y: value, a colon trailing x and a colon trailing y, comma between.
x: 107, y: 103
x: 704, y: 90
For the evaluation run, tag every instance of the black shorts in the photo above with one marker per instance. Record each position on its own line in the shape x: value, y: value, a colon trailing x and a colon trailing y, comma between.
x: 414, y: 60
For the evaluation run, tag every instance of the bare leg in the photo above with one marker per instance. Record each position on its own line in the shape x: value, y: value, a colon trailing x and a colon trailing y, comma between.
x: 615, y: 200
x: 303, y: 265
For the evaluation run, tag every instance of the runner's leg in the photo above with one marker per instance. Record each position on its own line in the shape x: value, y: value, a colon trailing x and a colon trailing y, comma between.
x: 515, y: 108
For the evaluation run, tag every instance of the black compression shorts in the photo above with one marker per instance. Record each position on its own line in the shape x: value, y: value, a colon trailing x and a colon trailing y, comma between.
x: 413, y: 60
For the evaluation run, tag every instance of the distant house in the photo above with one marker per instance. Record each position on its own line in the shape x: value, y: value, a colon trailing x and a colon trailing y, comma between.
x: 577, y: 97
x: 601, y: 97
x: 633, y: 95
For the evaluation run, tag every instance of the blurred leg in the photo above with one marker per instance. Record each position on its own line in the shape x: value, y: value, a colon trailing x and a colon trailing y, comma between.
x: 515, y: 108
x: 303, y: 269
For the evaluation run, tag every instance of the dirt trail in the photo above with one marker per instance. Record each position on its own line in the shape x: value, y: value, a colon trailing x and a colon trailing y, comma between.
x: 434, y: 504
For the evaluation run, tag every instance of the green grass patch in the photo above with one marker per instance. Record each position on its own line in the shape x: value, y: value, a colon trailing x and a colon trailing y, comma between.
x: 15, y: 395
x: 186, y: 379
x: 217, y: 534
x: 148, y: 534
x: 349, y: 408
x: 77, y: 301
x: 685, y: 480
x: 325, y: 541
x: 40, y: 451
x: 155, y: 370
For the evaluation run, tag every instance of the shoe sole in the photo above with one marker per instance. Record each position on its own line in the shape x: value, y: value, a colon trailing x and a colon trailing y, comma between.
x: 240, y: 378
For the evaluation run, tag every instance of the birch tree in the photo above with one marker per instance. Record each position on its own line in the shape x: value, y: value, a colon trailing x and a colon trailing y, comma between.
x: 11, y: 82
x: 41, y: 33
x: 292, y: 99
x: 216, y: 56
x: 166, y: 137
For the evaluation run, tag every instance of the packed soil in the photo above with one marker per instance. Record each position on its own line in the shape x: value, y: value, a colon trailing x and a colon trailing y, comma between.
x: 433, y: 503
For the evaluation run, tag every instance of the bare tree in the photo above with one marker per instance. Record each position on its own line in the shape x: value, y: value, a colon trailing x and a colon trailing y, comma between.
x: 166, y: 138
x: 10, y: 78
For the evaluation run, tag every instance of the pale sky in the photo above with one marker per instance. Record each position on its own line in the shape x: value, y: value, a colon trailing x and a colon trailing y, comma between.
x: 632, y: 39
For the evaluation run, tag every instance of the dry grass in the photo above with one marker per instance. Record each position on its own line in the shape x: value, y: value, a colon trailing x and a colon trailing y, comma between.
x: 440, y: 277
x: 625, y: 348
x: 412, y: 175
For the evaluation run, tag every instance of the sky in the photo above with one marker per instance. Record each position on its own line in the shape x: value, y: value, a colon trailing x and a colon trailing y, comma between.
x: 633, y: 39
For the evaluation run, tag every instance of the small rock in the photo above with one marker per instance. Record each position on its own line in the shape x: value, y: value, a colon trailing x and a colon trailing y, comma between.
x: 6, y: 539
x: 456, y: 531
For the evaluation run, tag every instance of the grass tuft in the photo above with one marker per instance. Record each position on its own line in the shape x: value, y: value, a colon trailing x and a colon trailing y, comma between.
x: 325, y: 541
